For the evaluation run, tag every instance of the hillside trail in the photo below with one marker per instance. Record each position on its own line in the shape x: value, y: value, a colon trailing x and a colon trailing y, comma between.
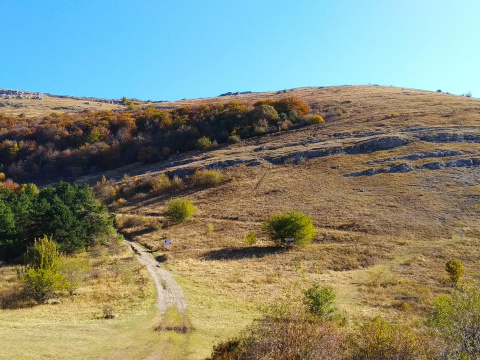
x: 169, y: 293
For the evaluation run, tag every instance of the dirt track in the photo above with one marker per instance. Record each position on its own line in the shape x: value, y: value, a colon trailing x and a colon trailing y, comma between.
x: 169, y: 293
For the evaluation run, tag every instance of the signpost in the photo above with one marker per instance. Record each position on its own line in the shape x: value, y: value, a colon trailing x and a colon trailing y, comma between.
x: 289, y: 242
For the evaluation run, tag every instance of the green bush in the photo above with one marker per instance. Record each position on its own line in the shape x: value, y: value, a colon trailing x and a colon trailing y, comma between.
x: 381, y: 340
x: 204, y: 143
x: 315, y: 119
x: 251, y: 238
x: 294, y: 225
x: 207, y: 177
x: 179, y: 210
x: 41, y: 284
x: 75, y: 271
x: 285, y: 332
x: 455, y: 271
x: 234, y: 139
x: 42, y: 277
x: 209, y: 228
x: 266, y: 112
x: 456, y: 318
x: 320, y: 301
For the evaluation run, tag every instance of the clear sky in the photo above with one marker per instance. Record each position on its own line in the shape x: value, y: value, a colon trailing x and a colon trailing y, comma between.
x: 169, y: 50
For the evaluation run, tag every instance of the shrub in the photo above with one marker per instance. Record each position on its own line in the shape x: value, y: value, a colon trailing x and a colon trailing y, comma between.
x: 381, y: 340
x: 320, y: 301
x: 42, y: 278
x: 294, y: 225
x: 155, y: 183
x: 209, y: 229
x: 43, y: 254
x: 456, y: 318
x: 161, y: 182
x: 251, y: 238
x: 179, y: 210
x: 234, y: 139
x: 207, y: 177
x: 75, y: 271
x: 284, y: 333
x: 455, y: 271
x: 266, y: 112
x: 292, y: 104
x: 41, y: 284
x: 285, y: 124
x: 204, y: 143
x: 315, y: 119
x: 177, y: 182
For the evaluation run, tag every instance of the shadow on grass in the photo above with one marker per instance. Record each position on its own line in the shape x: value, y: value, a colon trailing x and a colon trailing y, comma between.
x: 133, y: 234
x: 161, y: 258
x: 242, y: 253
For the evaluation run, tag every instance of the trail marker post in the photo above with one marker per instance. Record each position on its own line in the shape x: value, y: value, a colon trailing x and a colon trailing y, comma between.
x: 289, y: 242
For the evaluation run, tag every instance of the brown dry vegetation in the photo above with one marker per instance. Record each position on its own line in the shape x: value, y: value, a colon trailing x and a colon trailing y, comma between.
x: 52, y: 104
x: 74, y: 327
x: 383, y: 240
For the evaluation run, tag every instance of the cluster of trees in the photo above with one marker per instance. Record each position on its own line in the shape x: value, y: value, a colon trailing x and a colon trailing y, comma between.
x: 69, y: 213
x: 67, y: 146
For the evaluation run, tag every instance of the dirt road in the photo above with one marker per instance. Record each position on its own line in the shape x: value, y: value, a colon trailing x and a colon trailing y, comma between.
x: 169, y: 293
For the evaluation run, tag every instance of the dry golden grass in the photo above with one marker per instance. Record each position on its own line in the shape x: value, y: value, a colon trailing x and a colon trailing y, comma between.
x: 75, y: 328
x: 52, y: 104
x: 407, y: 225
x: 383, y: 240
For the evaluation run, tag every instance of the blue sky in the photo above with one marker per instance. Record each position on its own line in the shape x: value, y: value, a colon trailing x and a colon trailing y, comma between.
x: 169, y: 50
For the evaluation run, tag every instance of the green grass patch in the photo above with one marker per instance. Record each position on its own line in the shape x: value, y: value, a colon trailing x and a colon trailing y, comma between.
x: 213, y: 318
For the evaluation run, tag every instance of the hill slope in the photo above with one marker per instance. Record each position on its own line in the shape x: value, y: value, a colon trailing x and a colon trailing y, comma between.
x: 391, y: 180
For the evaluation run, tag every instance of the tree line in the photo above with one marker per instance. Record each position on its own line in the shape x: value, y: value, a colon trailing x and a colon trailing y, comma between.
x: 66, y: 146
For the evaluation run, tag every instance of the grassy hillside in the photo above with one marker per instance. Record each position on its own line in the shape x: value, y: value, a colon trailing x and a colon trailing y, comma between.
x: 33, y: 104
x: 383, y: 240
x: 390, y: 179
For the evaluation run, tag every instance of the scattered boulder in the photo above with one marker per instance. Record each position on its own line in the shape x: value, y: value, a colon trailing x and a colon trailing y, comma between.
x: 432, y: 154
x: 254, y: 163
x: 261, y: 148
x: 460, y: 163
x: 379, y: 144
x: 395, y: 169
x: 442, y: 137
x: 436, y: 165
x: 400, y: 168
x: 368, y: 172
x: 298, y: 158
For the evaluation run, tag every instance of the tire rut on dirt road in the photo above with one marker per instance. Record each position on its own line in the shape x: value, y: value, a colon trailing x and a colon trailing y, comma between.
x: 169, y: 293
